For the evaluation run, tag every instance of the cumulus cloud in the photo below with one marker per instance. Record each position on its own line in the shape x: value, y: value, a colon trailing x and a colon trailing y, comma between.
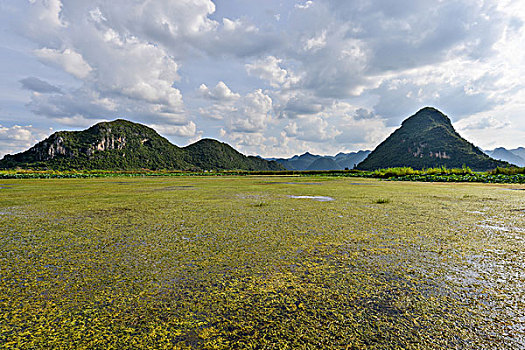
x: 71, y: 61
x: 268, y: 69
x: 253, y: 114
x: 349, y: 71
x: 18, y: 138
x: 221, y: 92
x: 121, y: 73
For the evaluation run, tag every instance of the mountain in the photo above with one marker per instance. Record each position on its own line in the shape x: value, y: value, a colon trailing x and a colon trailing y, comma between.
x: 301, y: 162
x: 428, y: 139
x: 124, y: 145
x: 350, y: 160
x: 506, y: 155
x: 324, y: 163
x: 208, y: 154
x: 337, y: 162
x: 520, y: 152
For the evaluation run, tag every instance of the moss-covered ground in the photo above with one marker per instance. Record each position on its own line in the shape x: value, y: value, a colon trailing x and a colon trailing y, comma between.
x: 237, y: 263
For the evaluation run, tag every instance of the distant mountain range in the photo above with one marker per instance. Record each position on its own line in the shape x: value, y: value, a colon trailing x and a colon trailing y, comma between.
x: 124, y: 145
x: 514, y: 156
x: 425, y: 140
x: 308, y: 161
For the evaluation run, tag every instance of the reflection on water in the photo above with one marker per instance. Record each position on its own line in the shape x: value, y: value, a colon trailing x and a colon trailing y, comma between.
x: 315, y: 198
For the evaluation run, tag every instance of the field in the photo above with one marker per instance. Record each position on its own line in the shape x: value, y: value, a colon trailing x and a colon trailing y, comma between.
x: 254, y: 262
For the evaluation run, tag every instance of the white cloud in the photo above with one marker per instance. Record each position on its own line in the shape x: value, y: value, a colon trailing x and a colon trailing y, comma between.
x: 305, y: 5
x: 220, y: 92
x: 188, y: 130
x: 253, y: 114
x: 483, y: 122
x: 18, y: 138
x: 350, y: 69
x: 316, y: 43
x: 269, y: 69
x: 314, y: 129
x: 71, y: 61
x: 49, y: 15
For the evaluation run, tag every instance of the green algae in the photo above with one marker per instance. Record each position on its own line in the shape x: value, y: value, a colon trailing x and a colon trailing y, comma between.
x: 229, y: 262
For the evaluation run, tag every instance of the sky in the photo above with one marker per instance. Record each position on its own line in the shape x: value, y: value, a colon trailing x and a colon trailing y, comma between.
x: 271, y: 78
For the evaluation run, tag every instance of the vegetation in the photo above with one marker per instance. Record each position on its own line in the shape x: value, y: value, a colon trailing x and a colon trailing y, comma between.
x: 208, y: 154
x: 428, y: 140
x: 123, y: 145
x: 442, y: 174
x: 236, y: 263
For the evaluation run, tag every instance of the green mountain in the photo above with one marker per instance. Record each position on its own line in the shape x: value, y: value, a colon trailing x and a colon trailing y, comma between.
x: 428, y: 139
x: 208, y: 154
x: 124, y: 145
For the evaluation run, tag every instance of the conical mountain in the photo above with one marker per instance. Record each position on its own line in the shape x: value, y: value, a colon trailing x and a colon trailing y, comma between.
x: 424, y: 140
x: 123, y: 145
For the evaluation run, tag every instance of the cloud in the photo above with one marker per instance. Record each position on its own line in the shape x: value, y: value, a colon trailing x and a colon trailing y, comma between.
x: 306, y: 5
x: 253, y: 114
x: 18, y: 138
x: 316, y: 43
x: 71, y: 61
x: 314, y: 129
x: 221, y: 92
x: 352, y: 70
x: 38, y: 85
x: 268, y: 69
x: 121, y: 74
x: 188, y: 130
x: 481, y: 123
x: 362, y: 113
x: 300, y: 105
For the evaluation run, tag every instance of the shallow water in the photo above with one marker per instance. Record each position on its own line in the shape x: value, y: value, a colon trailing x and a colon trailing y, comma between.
x: 315, y: 198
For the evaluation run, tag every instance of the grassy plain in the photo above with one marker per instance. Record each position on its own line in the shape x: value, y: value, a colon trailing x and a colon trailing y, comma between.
x: 235, y: 262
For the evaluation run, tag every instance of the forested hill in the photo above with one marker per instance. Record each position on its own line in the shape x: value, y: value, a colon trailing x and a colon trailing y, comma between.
x: 124, y: 145
x: 425, y: 140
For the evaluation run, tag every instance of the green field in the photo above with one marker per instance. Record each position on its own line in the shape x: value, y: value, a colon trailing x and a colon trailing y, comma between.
x: 237, y: 263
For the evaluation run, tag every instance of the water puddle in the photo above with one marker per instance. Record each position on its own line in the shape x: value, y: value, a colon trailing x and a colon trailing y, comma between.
x: 494, y: 227
x: 315, y: 198
x: 476, y: 212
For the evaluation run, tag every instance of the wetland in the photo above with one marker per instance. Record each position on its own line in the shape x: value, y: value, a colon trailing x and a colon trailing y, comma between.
x: 235, y: 263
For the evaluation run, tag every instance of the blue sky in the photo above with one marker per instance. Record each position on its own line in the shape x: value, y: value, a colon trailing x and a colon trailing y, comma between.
x: 273, y: 78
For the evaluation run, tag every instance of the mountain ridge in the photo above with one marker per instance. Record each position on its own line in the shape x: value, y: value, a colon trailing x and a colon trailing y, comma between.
x: 340, y: 161
x: 125, y: 145
x: 513, y: 156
